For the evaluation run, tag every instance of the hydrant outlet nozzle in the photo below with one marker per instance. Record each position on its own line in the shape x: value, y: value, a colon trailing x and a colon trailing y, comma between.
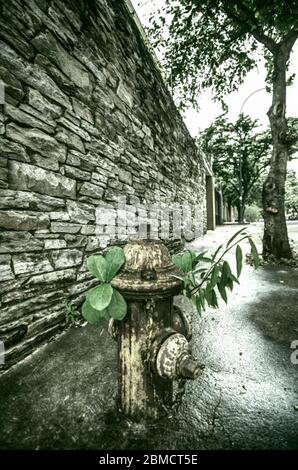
x: 171, y: 358
x: 189, y: 368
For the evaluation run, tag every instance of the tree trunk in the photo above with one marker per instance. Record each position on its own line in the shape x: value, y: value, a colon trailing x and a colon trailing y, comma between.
x: 275, y: 241
x: 241, y: 210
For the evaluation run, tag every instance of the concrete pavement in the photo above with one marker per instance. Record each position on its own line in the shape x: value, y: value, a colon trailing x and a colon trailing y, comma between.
x: 63, y: 397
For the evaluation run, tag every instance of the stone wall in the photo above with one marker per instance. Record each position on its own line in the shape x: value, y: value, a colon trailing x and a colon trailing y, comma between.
x: 86, y: 118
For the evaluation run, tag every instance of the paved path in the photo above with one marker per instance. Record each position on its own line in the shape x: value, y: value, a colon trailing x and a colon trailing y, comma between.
x: 247, y: 398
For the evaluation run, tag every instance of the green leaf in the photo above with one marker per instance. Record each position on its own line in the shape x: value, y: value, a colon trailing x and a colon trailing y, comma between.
x: 197, y: 257
x: 118, y: 307
x: 230, y: 282
x: 206, y: 259
x: 194, y: 258
x: 239, y: 258
x: 214, y: 276
x: 234, y: 279
x: 187, y: 259
x: 183, y: 262
x: 213, y: 302
x: 235, y: 235
x: 254, y: 254
x: 115, y: 259
x: 199, y: 300
x: 226, y: 270
x: 177, y: 260
x: 97, y: 265
x: 202, y: 297
x: 92, y: 315
x: 192, y: 279
x: 198, y: 304
x: 222, y: 291
x: 99, y: 297
x: 208, y: 295
x: 200, y: 270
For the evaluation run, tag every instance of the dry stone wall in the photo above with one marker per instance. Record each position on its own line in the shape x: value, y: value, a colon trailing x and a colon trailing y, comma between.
x: 86, y: 118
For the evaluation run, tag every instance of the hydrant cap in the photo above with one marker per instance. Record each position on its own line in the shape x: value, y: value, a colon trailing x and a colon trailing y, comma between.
x: 148, y: 269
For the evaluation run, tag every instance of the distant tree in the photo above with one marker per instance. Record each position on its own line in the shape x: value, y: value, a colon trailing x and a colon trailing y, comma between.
x: 252, y: 213
x: 240, y: 156
x: 292, y: 138
x: 214, y: 44
x: 291, y: 198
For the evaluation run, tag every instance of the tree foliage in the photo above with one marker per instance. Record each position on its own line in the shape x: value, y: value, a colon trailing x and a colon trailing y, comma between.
x: 292, y: 137
x: 240, y: 156
x: 214, y: 44
x: 291, y: 199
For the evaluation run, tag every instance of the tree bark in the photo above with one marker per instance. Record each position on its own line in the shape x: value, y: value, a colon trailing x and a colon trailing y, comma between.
x: 275, y: 241
x: 243, y: 211
x: 240, y: 211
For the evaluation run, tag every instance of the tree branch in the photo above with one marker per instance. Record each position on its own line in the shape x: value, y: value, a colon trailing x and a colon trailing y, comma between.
x: 235, y: 187
x: 290, y: 38
x: 267, y: 41
x: 248, y: 20
x: 253, y: 181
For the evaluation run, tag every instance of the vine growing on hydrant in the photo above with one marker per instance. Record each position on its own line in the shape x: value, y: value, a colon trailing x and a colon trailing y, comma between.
x: 204, y: 277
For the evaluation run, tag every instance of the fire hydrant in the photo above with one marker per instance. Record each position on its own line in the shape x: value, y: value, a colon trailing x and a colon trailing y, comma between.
x: 153, y: 338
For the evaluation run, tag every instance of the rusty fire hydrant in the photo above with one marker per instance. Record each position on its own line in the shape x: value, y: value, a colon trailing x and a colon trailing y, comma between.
x: 153, y: 338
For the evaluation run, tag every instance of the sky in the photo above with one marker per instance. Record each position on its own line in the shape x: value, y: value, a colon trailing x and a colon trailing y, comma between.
x: 256, y: 105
